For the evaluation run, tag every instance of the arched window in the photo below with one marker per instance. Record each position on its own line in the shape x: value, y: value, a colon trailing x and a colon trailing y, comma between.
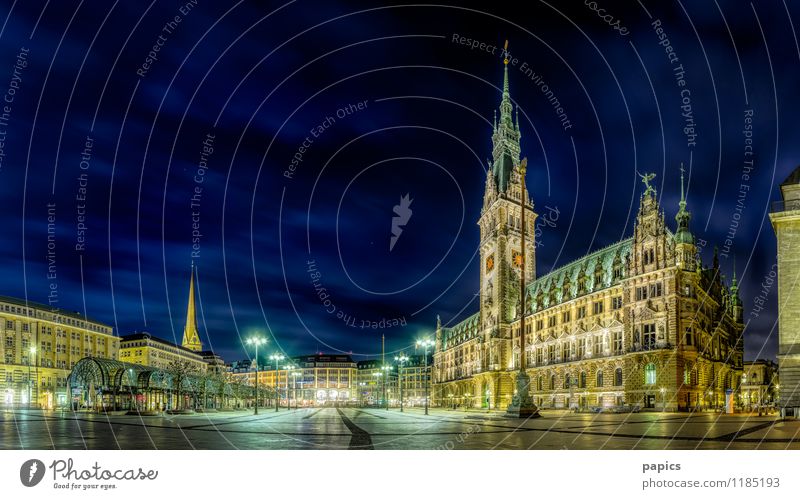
x: 650, y: 374
x: 599, y: 379
x: 552, y: 381
x: 618, y: 376
x: 539, y: 383
x: 582, y: 380
x: 567, y: 381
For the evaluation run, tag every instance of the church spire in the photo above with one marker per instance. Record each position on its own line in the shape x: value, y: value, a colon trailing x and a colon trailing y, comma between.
x: 191, y: 338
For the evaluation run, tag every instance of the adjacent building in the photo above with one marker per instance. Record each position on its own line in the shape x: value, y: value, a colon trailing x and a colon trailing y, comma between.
x: 760, y: 385
x: 304, y: 381
x: 40, y: 346
x: 148, y: 350
x: 641, y: 322
x: 415, y: 380
x: 377, y: 383
x: 785, y: 217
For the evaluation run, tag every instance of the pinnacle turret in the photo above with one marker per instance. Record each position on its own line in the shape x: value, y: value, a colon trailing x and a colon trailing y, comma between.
x: 683, y: 217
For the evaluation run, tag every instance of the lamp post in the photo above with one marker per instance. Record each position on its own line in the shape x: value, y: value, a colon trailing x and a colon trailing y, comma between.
x: 295, y: 374
x: 426, y: 344
x: 376, y: 375
x: 400, y: 359
x: 361, y: 389
x: 32, y: 354
x: 386, y: 370
x: 663, y: 399
x: 288, y: 368
x: 255, y: 341
x: 277, y: 357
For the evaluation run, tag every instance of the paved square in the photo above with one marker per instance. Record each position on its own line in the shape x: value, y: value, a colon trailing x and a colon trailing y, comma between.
x: 356, y: 428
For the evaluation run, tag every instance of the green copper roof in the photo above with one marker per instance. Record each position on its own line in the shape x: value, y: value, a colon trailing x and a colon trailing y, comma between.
x: 463, y: 331
x: 502, y: 172
x: 585, y: 275
x: 683, y: 217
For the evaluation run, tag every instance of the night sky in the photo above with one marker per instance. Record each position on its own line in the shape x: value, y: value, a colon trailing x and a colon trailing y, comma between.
x: 293, y: 228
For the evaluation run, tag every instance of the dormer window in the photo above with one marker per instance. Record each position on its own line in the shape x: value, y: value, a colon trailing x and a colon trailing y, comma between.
x: 649, y: 256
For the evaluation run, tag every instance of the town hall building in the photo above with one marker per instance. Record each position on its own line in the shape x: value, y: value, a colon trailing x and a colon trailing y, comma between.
x: 641, y: 323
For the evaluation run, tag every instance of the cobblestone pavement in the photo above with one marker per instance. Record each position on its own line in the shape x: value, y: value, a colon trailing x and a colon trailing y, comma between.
x: 355, y: 428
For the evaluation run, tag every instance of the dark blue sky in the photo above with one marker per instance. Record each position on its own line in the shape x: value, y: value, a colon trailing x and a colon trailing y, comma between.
x: 259, y: 76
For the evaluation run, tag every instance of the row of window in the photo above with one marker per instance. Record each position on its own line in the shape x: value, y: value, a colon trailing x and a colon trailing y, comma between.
x: 654, y: 290
x: 580, y: 382
x: 578, y: 349
x: 598, y: 307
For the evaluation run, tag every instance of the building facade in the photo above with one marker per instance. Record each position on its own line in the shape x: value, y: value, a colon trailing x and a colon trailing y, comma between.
x: 304, y: 381
x: 760, y: 384
x: 414, y: 377
x: 639, y: 323
x: 377, y: 383
x: 148, y: 350
x: 39, y: 348
x: 785, y: 217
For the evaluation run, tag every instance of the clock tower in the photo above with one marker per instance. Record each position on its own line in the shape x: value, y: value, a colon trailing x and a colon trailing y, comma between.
x: 500, y: 242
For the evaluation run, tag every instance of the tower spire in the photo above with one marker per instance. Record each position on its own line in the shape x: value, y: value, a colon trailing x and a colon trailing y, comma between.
x: 505, y: 135
x: 505, y: 103
x: 191, y: 338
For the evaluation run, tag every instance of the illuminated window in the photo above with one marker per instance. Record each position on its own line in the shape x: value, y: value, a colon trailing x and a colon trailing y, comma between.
x: 650, y: 374
x: 649, y: 335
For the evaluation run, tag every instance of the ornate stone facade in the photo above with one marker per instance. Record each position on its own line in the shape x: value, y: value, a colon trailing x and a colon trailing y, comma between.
x: 638, y: 323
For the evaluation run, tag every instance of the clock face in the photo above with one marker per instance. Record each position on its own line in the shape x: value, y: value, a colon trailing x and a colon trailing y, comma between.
x: 489, y: 263
x: 516, y: 257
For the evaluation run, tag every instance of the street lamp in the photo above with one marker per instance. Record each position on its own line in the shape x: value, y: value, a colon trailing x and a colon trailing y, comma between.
x: 33, y: 352
x: 426, y: 344
x: 401, y: 359
x: 362, y: 386
x: 255, y: 341
x: 277, y: 357
x: 663, y: 399
x: 295, y: 374
x: 290, y: 369
x: 376, y: 375
x: 385, y: 370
